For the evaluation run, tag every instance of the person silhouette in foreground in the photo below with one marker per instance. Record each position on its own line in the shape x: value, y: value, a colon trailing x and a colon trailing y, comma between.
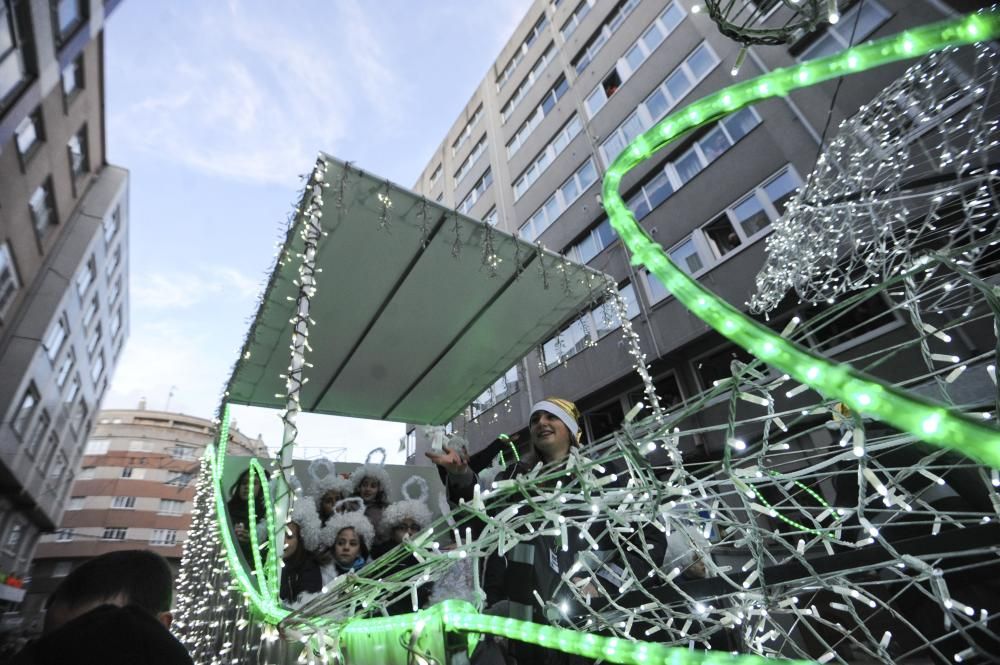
x: 113, y: 609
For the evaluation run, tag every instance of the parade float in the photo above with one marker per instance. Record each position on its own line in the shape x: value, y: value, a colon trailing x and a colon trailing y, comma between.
x: 879, y: 547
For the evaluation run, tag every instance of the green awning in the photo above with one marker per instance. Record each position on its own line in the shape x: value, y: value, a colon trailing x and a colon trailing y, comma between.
x: 410, y: 323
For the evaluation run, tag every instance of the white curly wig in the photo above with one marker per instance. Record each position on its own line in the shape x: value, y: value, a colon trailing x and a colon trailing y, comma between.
x: 324, y: 476
x: 349, y: 520
x: 372, y: 469
x: 412, y: 507
x: 304, y: 514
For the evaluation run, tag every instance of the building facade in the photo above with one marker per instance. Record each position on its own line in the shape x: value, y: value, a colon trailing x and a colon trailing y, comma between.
x: 63, y: 259
x: 576, y: 83
x: 134, y: 490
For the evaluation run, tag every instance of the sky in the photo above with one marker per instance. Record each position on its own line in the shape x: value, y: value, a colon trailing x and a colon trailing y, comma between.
x: 216, y: 109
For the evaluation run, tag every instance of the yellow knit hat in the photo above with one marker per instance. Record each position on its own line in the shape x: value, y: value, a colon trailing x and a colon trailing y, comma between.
x: 564, y: 410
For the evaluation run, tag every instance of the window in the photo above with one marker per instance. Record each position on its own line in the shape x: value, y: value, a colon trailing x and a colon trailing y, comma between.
x: 600, y: 37
x: 593, y: 242
x: 25, y: 411
x: 410, y: 443
x: 57, y: 467
x: 491, y: 218
x: 139, y: 446
x: 463, y: 135
x: 65, y: 535
x: 116, y: 290
x: 182, y: 479
x: 136, y: 473
x: 668, y: 94
x: 434, y: 176
x: 661, y: 184
x: 72, y: 79
x: 634, y: 56
x: 585, y: 331
x: 500, y: 390
x: 837, y: 37
x: 171, y: 507
x: 78, y: 416
x: 97, y: 447
x: 547, y: 156
x: 65, y: 367
x: 93, y: 340
x: 14, y: 537
x: 545, y: 107
x: 163, y: 537
x: 9, y: 282
x: 43, y: 209
x: 97, y: 368
x: 525, y: 85
x: 87, y: 473
x: 86, y: 276
x: 76, y: 503
x: 36, y: 440
x: 563, y: 197
x: 738, y: 225
x: 477, y: 192
x: 579, y: 12
x: 67, y: 16
x: 78, y: 159
x: 111, y: 223
x: 123, y: 502
x: 115, y: 533
x: 466, y: 165
x: 183, y: 452
x: 14, y: 57
x: 28, y: 134
x: 116, y: 322
x: 717, y: 365
x: 515, y: 59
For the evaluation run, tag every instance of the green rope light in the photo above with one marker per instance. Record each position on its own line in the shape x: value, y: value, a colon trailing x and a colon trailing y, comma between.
x: 262, y: 595
x: 926, y: 420
x: 789, y: 521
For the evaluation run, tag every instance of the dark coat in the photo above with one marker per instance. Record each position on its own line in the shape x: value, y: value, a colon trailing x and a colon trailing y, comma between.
x: 300, y: 574
x: 108, y: 635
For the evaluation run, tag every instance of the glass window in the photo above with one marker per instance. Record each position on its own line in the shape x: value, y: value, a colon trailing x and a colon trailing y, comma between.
x: 780, y: 189
x: 28, y: 134
x: 635, y: 57
x: 658, y: 189
x: 688, y: 166
x: 69, y: 14
x: 714, y: 144
x: 171, y: 506
x: 62, y: 536
x: 112, y: 222
x: 115, y: 533
x: 86, y: 276
x: 570, y: 190
x: 751, y: 216
x: 639, y: 205
x: 12, y: 65
x: 65, y: 367
x: 721, y: 236
x: 672, y: 17
x: 595, y: 101
x: 94, y: 339
x: 91, y: 311
x: 701, y: 61
x: 678, y: 85
x: 123, y: 502
x: 9, y: 282
x: 72, y: 391
x: 657, y: 104
x: 97, y: 368
x: 97, y: 447
x: 652, y: 38
x: 57, y: 334
x: 587, y: 249
x: 42, y: 208
x: 79, y: 416
x: 72, y: 78
x: 838, y: 37
x: 587, y: 174
x: 77, y: 148
x: 37, y: 438
x: 740, y: 124
x: 686, y: 257
x: 58, y: 465
x: 14, y: 537
x: 605, y: 234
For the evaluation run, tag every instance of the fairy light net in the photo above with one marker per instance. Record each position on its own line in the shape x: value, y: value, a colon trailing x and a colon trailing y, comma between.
x: 789, y: 525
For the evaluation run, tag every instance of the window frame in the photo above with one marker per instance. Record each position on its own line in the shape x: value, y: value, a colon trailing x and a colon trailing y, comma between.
x: 530, y: 231
x: 46, y: 217
x: 74, y: 71
x: 594, y: 329
x: 10, y: 280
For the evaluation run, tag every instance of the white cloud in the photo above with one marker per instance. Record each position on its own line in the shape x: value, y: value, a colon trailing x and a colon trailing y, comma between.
x: 186, y: 288
x: 249, y: 98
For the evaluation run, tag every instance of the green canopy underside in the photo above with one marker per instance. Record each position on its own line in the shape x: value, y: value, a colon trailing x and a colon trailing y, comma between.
x: 404, y: 329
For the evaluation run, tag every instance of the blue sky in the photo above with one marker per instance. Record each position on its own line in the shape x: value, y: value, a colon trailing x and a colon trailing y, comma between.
x: 216, y: 108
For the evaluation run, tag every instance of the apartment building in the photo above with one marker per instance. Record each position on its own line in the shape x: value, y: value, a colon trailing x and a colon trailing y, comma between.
x: 63, y: 259
x: 135, y: 489
x: 578, y: 80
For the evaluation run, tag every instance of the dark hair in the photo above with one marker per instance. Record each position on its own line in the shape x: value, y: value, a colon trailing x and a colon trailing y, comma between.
x: 363, y: 551
x: 237, y: 506
x: 381, y: 498
x: 143, y: 578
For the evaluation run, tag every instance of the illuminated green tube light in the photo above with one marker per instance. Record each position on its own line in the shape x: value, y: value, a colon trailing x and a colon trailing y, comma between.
x: 864, y: 394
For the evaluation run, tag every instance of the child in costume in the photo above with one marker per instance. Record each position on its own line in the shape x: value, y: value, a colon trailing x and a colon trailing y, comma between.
x: 371, y: 484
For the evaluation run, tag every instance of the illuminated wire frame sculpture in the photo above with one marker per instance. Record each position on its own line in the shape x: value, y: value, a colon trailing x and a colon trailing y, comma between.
x: 743, y: 21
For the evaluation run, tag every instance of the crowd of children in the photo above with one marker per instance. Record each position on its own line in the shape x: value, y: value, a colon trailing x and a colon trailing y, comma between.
x: 337, y: 527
